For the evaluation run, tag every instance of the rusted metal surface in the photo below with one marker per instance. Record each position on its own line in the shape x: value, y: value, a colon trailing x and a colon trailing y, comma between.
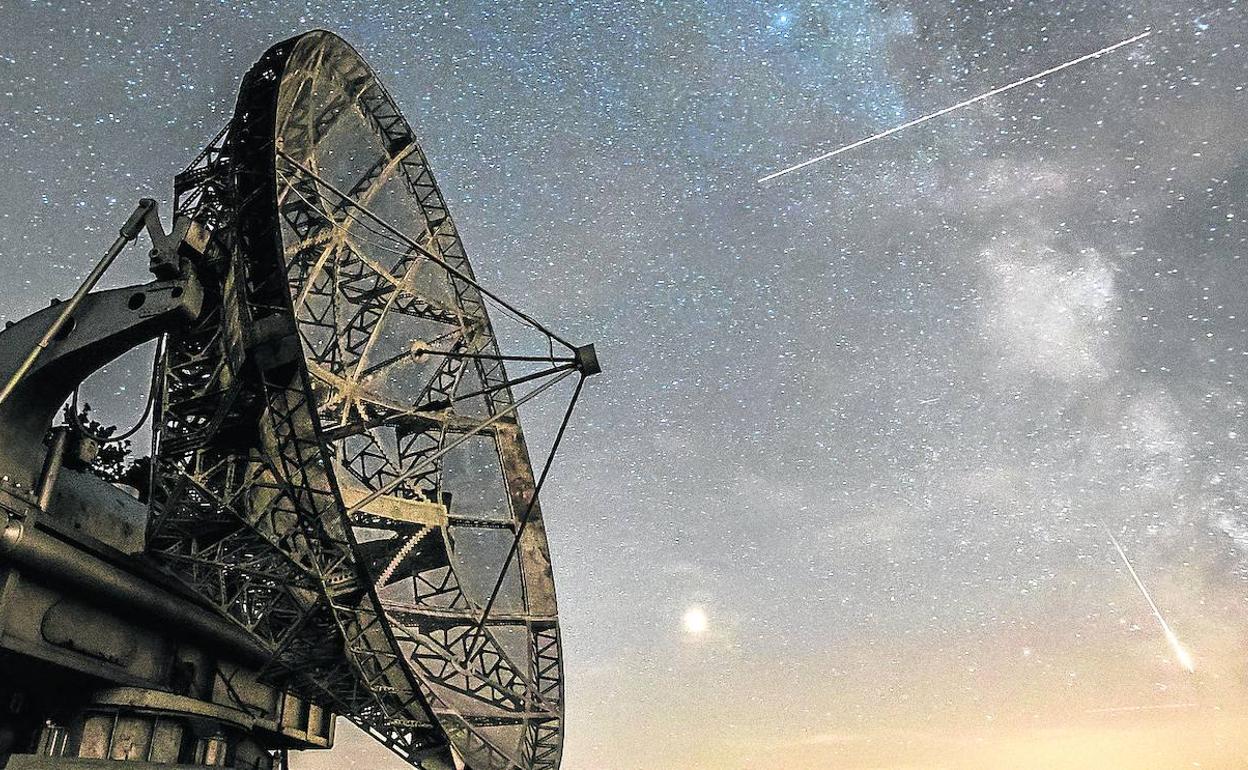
x: 340, y: 467
x: 343, y: 515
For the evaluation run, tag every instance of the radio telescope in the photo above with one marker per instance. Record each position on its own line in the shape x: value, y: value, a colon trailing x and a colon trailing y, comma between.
x: 342, y: 516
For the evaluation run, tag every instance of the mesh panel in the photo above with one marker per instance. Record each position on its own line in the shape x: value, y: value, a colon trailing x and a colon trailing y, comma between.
x: 389, y: 336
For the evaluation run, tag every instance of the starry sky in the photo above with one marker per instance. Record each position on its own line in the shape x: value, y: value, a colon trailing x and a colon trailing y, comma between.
x: 840, y: 498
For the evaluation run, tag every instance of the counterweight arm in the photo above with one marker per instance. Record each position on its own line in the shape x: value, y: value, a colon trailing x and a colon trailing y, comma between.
x: 45, y: 356
x: 129, y: 231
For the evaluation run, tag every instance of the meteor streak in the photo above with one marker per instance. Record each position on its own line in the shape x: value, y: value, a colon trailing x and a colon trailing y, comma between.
x: 1180, y: 653
x: 958, y: 106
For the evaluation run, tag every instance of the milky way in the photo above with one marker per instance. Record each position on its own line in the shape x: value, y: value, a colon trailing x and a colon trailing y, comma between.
x: 866, y: 420
x: 959, y: 106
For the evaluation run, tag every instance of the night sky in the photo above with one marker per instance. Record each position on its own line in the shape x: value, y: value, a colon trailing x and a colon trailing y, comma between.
x: 840, y: 497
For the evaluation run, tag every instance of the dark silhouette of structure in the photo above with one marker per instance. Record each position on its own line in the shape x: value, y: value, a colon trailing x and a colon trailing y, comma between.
x: 339, y: 516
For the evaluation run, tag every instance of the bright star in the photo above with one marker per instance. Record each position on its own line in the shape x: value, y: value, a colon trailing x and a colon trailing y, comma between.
x: 782, y: 20
x: 695, y: 621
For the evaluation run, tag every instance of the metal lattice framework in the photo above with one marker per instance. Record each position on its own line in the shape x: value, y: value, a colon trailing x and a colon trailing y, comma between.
x: 339, y: 464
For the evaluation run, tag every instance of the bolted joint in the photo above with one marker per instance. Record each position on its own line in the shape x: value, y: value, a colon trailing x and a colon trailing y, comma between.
x: 587, y: 360
x: 134, y: 225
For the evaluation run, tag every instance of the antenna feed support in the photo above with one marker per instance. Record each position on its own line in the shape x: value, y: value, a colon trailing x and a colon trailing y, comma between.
x: 587, y: 360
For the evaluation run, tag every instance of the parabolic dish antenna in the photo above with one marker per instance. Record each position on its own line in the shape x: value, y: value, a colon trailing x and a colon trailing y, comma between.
x: 339, y: 467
